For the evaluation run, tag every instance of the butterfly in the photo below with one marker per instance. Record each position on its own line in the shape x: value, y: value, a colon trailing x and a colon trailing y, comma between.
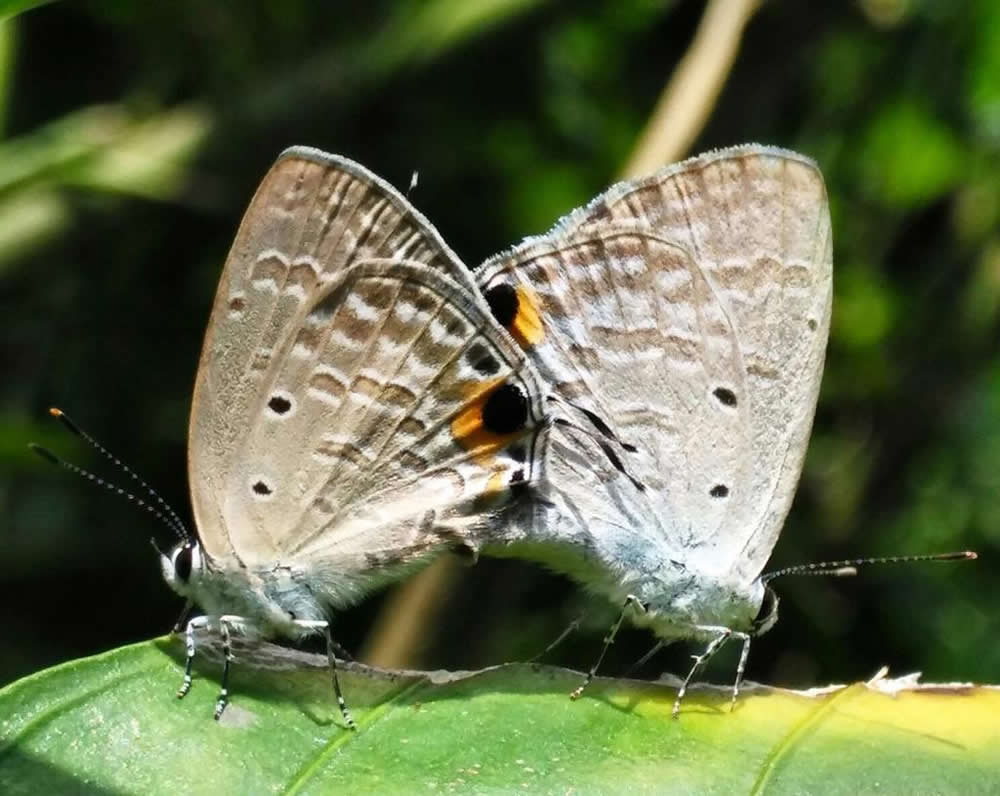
x: 626, y: 399
x: 680, y: 323
x: 357, y: 409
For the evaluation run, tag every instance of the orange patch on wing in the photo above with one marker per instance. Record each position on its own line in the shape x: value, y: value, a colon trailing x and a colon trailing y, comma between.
x: 527, y: 326
x: 469, y: 431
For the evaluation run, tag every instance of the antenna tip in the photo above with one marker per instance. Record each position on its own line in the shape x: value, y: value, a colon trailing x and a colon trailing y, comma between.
x: 63, y: 418
x: 970, y: 555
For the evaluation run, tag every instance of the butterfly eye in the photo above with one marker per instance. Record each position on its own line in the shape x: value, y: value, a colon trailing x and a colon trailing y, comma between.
x: 182, y: 563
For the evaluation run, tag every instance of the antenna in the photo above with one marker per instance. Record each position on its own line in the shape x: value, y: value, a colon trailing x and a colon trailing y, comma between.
x: 850, y: 566
x: 165, y: 513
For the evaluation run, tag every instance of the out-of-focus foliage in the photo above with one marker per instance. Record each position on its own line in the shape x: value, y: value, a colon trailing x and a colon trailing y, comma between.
x: 133, y: 135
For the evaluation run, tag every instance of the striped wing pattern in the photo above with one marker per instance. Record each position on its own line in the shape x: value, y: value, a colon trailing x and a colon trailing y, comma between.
x: 682, y: 321
x: 356, y: 404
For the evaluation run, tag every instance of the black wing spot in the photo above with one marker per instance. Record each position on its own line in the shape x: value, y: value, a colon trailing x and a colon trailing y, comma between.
x: 482, y: 360
x: 261, y: 488
x: 503, y: 303
x: 812, y: 324
x: 518, y: 476
x: 725, y: 396
x: 279, y: 404
x: 505, y: 410
x: 719, y: 491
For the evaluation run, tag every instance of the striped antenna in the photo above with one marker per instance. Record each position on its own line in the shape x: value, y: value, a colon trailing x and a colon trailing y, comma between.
x: 162, y: 510
x: 850, y: 566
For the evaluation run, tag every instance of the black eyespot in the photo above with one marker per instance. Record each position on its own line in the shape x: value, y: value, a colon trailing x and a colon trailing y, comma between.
x: 503, y: 303
x: 518, y: 476
x: 279, y: 404
x: 182, y: 563
x: 726, y: 397
x: 506, y: 410
x: 261, y: 488
x: 719, y: 491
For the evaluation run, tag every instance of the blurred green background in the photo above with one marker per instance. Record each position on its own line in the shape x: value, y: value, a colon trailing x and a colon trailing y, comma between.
x: 133, y: 135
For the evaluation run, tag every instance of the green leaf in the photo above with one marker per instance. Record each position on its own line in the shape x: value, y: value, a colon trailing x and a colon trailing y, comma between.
x: 111, y: 723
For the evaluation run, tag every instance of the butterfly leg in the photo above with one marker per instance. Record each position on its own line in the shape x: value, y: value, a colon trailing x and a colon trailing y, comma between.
x: 631, y: 600
x: 228, y: 658
x: 330, y: 646
x: 182, y: 619
x: 645, y: 658
x: 739, y: 668
x: 198, y: 623
x: 571, y: 628
x: 724, y: 634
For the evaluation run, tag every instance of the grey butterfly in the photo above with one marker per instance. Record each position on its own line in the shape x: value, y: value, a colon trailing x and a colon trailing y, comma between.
x: 356, y: 409
x: 626, y: 398
x: 680, y: 322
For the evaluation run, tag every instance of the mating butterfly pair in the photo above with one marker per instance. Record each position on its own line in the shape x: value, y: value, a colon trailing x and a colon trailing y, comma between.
x: 627, y: 398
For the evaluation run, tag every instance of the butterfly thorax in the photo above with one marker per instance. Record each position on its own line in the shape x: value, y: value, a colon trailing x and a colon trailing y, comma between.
x: 270, y: 600
x: 677, y: 606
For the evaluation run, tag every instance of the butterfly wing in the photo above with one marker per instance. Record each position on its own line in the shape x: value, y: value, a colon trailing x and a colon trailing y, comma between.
x: 688, y: 312
x: 350, y: 407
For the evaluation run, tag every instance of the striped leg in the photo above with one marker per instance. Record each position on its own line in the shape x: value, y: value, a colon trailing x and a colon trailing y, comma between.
x: 228, y: 658
x: 572, y: 627
x: 724, y: 634
x: 198, y: 623
x: 740, y: 667
x: 182, y: 619
x: 330, y: 645
x: 631, y: 600
x: 646, y: 658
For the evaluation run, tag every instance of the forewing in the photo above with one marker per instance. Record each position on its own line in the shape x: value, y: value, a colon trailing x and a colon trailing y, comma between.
x: 313, y: 216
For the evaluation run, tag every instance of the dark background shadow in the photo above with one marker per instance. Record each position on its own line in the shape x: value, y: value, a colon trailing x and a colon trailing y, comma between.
x: 108, y: 269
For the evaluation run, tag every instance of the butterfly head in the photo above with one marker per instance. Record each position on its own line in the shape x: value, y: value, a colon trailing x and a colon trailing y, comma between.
x: 183, y: 566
